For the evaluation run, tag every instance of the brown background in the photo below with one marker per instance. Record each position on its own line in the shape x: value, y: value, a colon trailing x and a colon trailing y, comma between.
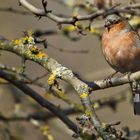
x: 90, y: 66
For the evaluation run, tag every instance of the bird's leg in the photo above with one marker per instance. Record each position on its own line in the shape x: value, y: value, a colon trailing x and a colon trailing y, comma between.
x: 108, y: 78
x: 113, y: 74
x: 135, y: 86
x: 128, y: 75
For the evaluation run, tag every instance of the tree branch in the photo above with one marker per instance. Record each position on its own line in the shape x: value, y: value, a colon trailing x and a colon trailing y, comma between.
x: 44, y: 103
x: 29, y: 51
x: 16, y: 11
x: 72, y: 20
x: 115, y: 81
x: 25, y: 47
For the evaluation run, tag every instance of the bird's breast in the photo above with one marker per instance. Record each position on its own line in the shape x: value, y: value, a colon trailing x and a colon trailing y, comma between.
x: 120, y: 51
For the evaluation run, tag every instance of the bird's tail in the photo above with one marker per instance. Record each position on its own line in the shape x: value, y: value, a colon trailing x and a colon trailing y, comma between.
x: 135, y: 86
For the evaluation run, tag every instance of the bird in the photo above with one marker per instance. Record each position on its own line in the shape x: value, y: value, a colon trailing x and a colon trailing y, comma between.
x: 121, y: 49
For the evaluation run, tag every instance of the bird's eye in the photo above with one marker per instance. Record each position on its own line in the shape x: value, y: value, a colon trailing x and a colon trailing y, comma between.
x: 114, y: 20
x: 117, y: 21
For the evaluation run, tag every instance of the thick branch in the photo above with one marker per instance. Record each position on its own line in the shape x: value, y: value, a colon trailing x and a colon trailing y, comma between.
x: 30, y: 52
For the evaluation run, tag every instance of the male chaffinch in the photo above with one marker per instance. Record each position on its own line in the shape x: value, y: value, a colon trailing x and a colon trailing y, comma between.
x: 121, y: 49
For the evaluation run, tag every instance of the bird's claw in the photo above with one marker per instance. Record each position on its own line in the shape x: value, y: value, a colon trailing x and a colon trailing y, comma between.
x: 108, y: 79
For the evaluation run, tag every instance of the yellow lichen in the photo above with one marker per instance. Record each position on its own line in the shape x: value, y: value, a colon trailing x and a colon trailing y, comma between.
x: 83, y: 95
x: 69, y: 28
x: 51, y: 79
x: 46, y: 132
x: 16, y: 42
x: 103, y: 125
x: 96, y: 105
x: 94, y: 30
x: 40, y: 55
x: 78, y: 23
x: 34, y: 50
x: 28, y: 39
x: 135, y: 21
x: 88, y: 112
x: 61, y: 93
x: 25, y: 40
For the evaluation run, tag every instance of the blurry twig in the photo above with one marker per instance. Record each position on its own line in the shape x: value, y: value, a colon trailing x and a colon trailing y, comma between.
x: 68, y: 51
x: 63, y: 32
x: 111, y: 101
x: 40, y: 116
x: 73, y: 20
x: 43, y: 102
x: 29, y: 51
x: 15, y: 11
x: 37, y: 78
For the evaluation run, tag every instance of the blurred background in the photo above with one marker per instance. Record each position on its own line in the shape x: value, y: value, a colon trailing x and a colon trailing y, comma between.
x: 89, y: 65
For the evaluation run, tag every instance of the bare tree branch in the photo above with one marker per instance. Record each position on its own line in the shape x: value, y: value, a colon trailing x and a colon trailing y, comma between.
x: 15, y: 11
x: 29, y: 51
x: 115, y: 81
x: 72, y: 20
x: 43, y: 102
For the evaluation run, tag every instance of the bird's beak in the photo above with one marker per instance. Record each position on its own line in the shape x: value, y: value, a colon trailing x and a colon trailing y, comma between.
x: 107, y: 24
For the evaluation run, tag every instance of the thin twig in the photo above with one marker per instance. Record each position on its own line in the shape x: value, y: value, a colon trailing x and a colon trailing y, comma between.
x: 15, y: 11
x: 72, y: 20
x: 43, y: 102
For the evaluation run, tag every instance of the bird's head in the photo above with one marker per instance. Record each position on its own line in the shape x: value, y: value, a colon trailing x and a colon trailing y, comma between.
x: 113, y: 20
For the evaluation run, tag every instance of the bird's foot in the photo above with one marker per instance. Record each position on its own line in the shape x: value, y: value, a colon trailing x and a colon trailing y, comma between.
x: 108, y: 79
x: 128, y: 75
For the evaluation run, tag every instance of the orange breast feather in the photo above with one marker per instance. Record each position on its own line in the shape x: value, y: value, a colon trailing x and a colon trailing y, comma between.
x: 120, y: 50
